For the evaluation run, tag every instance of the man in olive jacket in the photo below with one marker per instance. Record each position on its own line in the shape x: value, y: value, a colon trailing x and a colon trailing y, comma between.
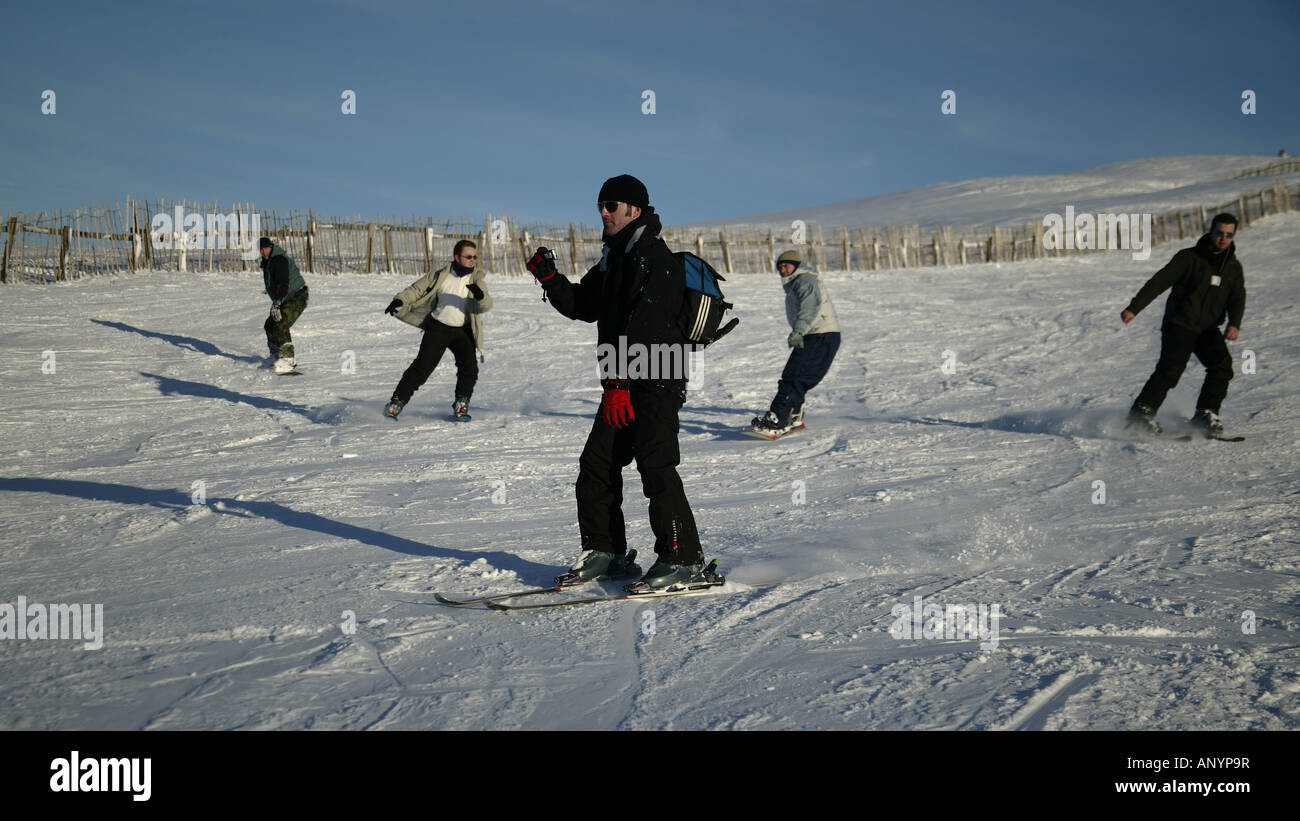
x: 1208, y: 285
x: 288, y: 293
x: 634, y: 295
x: 448, y: 305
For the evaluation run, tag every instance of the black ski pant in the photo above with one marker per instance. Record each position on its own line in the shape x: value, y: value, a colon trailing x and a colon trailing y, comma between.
x: 437, y: 339
x: 1176, y: 346
x: 651, y: 439
x: 803, y: 371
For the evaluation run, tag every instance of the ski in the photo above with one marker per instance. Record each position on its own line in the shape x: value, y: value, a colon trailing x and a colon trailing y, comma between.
x: 537, y: 591
x: 687, y: 591
x: 1189, y: 437
x: 464, y: 417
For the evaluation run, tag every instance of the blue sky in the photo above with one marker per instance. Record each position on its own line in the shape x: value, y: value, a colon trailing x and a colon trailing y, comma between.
x: 524, y: 108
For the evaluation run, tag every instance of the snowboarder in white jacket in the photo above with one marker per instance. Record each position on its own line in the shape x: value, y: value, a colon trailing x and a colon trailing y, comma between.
x: 814, y: 339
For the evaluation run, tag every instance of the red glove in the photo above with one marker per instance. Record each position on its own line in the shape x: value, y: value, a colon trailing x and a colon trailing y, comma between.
x: 616, y: 404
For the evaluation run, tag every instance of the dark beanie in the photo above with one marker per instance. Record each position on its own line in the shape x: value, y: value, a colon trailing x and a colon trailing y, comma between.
x: 625, y: 188
x: 265, y: 242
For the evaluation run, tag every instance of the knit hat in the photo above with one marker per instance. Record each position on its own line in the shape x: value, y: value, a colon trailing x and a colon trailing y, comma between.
x: 265, y: 242
x: 624, y: 188
x: 792, y: 257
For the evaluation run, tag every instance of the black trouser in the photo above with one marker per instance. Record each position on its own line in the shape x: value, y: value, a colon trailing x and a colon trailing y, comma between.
x: 651, y: 440
x: 803, y: 371
x: 1176, y: 345
x: 437, y: 339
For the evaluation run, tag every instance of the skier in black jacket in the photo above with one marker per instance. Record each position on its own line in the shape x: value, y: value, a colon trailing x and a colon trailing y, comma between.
x: 634, y: 296
x: 1208, y: 286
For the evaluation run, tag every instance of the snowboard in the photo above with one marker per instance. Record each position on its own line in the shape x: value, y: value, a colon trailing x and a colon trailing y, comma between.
x: 771, y: 437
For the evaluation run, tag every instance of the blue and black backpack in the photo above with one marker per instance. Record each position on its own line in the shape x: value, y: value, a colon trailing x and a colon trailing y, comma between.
x: 703, y: 307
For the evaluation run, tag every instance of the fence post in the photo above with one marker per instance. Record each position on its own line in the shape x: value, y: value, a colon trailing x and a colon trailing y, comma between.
x: 370, y: 248
x: 66, y: 238
x: 1241, y: 212
x: 311, y: 229
x: 1204, y: 227
x: 726, y: 249
x: 11, y: 232
x: 699, y: 246
x: 428, y: 249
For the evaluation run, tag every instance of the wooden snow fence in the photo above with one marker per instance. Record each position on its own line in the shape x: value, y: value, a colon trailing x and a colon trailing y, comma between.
x: 54, y: 246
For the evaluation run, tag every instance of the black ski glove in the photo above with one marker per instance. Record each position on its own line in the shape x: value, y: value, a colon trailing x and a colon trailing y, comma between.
x: 542, y: 264
x: 475, y: 291
x: 392, y: 307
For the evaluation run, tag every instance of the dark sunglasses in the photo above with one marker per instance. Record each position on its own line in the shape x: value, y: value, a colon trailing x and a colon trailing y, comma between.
x: 608, y: 205
x: 1224, y: 235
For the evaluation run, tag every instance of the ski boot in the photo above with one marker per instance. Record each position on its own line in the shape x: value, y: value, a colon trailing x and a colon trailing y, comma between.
x: 663, y: 577
x: 285, y: 364
x: 394, y: 407
x: 1143, y: 418
x: 1209, y: 422
x: 596, y: 563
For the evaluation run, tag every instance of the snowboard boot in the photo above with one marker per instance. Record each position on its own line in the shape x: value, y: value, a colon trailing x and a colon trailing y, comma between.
x: 1143, y: 418
x: 663, y: 577
x: 796, y: 418
x: 1209, y: 422
x: 460, y: 408
x: 394, y: 407
x: 285, y: 364
x: 767, y: 423
x: 593, y: 564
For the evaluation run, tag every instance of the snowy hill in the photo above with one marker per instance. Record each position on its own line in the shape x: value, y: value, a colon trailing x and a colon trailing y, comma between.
x: 1154, y: 185
x: 232, y: 610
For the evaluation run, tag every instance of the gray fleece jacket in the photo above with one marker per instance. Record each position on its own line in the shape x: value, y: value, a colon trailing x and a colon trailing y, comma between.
x: 807, y: 304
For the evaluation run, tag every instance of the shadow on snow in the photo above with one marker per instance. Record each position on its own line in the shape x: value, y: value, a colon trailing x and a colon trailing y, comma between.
x: 185, y: 342
x: 167, y: 499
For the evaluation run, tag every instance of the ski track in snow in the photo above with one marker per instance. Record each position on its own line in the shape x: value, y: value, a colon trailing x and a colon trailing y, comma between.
x: 974, y: 487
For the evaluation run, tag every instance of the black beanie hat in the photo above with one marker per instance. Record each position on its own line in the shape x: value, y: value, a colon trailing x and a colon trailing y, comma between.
x: 265, y: 242
x: 625, y: 188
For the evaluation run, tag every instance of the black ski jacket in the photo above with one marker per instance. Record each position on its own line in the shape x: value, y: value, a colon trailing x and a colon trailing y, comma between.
x: 1206, y: 288
x: 635, y: 292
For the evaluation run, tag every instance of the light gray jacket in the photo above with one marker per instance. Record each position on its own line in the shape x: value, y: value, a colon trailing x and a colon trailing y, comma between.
x: 807, y: 304
x: 421, y: 298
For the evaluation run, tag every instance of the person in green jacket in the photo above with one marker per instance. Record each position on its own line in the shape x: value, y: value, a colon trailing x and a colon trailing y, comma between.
x: 1208, y: 286
x: 288, y: 293
x: 447, y: 305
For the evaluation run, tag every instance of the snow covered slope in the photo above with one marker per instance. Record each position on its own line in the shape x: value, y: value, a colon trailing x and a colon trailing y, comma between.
x: 978, y: 487
x: 1153, y: 185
